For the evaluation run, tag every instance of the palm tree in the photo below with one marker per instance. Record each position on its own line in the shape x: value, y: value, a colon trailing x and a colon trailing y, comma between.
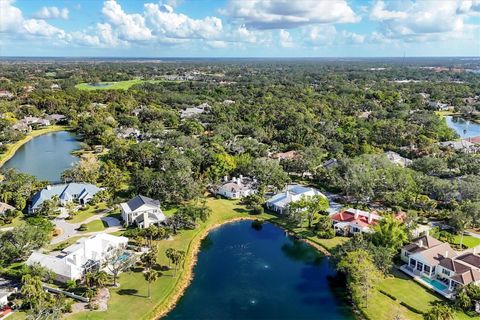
x: 101, y: 279
x: 461, y: 222
x: 441, y: 312
x: 151, y: 276
x: 89, y: 279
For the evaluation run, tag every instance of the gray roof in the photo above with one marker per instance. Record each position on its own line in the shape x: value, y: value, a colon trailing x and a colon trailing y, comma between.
x: 140, y: 200
x: 65, y: 192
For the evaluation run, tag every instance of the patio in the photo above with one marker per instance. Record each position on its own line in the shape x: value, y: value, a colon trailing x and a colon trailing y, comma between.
x: 430, y: 282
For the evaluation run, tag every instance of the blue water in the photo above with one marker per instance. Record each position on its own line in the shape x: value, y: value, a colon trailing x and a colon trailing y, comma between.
x: 464, y: 128
x: 434, y: 283
x: 244, y: 273
x: 46, y: 156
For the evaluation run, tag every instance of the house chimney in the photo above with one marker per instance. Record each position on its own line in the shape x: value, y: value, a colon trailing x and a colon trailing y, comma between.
x: 420, y: 243
x: 49, y: 187
x: 356, y: 214
x: 225, y: 178
x: 287, y: 193
x: 446, y: 253
x: 370, y: 217
x: 234, y: 179
x: 241, y: 177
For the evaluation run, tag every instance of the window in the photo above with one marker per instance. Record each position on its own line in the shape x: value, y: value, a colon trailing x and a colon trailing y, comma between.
x: 427, y: 269
x: 406, y: 254
x: 419, y: 266
x: 446, y: 272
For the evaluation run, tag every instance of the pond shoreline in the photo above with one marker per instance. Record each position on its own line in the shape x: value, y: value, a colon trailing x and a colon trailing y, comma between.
x: 184, y: 281
x: 13, y: 148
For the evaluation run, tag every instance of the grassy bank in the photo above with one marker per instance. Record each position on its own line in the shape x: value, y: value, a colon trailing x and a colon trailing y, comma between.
x: 12, y: 148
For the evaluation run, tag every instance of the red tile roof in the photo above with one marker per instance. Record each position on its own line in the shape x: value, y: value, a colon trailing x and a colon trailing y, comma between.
x: 348, y: 216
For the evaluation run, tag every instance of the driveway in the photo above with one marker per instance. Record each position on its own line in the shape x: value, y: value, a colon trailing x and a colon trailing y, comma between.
x: 70, y: 229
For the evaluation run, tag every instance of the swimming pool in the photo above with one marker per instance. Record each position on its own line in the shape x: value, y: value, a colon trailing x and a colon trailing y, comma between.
x: 435, y: 283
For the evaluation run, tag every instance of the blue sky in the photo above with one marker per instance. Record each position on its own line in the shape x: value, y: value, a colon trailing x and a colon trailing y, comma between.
x: 239, y: 28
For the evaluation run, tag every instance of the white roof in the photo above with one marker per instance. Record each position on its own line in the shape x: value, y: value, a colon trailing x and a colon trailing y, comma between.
x: 292, y: 194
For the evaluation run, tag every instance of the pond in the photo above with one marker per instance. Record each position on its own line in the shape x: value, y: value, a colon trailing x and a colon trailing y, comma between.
x: 46, y: 156
x: 465, y: 128
x: 260, y: 273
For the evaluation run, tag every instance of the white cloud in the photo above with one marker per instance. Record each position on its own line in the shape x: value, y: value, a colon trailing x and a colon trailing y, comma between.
x: 165, y: 22
x: 285, y: 39
x: 217, y: 44
x: 380, y: 14
x: 13, y: 23
x: 51, y: 13
x: 284, y: 14
x: 128, y: 26
x: 328, y: 35
x: 424, y: 20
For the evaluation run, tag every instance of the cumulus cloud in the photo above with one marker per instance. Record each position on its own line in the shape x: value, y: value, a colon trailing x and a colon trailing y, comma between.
x: 284, y: 14
x: 165, y: 22
x: 51, y: 13
x: 128, y: 26
x: 285, y: 39
x: 327, y: 35
x: 13, y: 23
x: 424, y: 20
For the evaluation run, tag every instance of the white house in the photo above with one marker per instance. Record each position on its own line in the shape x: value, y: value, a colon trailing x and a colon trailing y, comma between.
x: 397, y: 159
x: 437, y: 264
x: 142, y: 211
x: 279, y: 203
x: 236, y: 188
x: 86, y: 254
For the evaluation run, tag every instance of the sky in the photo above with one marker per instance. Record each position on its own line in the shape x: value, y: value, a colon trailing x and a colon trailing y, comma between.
x: 239, y: 28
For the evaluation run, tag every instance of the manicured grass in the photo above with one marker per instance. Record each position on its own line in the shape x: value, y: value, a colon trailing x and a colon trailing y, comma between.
x: 82, y: 215
x: 405, y: 290
x: 95, y: 226
x: 12, y: 148
x: 468, y: 241
x: 115, y: 85
x: 18, y: 221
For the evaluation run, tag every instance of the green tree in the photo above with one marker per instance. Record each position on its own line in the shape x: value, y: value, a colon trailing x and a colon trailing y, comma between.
x: 307, y: 208
x: 151, y: 276
x: 390, y: 233
x: 440, y: 312
x: 362, y: 275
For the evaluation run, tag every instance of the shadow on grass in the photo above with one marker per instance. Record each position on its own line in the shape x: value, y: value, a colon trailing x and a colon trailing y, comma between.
x: 129, y: 292
x: 241, y: 210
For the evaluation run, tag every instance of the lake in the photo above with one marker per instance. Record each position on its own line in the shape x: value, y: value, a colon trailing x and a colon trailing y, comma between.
x: 464, y: 128
x: 245, y: 273
x: 46, y: 156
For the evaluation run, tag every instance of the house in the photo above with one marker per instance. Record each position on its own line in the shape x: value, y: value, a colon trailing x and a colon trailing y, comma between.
x: 129, y: 133
x: 5, y: 94
x: 194, y: 111
x: 397, y: 159
x: 4, y: 207
x: 352, y: 221
x: 436, y: 265
x: 55, y: 118
x: 474, y: 140
x: 142, y: 211
x: 438, y: 106
x: 77, y: 192
x: 289, y: 155
x: 236, y: 188
x: 85, y: 255
x: 280, y: 202
x: 462, y: 146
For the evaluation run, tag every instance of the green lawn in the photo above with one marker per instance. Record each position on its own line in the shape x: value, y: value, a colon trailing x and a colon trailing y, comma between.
x: 15, y: 223
x: 82, y: 215
x: 405, y: 290
x: 95, y: 226
x: 115, y: 85
x: 468, y: 241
